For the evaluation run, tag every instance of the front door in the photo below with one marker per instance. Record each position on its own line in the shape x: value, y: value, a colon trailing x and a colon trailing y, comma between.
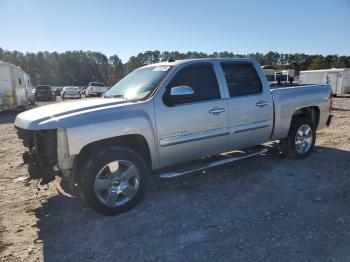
x: 195, y: 129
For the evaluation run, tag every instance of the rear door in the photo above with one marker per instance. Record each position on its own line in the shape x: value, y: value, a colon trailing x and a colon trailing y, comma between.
x: 250, y: 106
x: 193, y: 129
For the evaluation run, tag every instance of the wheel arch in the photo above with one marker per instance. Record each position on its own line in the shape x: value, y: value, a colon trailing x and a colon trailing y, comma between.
x: 135, y: 142
x: 311, y: 112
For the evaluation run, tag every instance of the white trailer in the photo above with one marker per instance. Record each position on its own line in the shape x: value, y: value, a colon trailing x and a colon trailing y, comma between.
x: 14, y: 87
x: 269, y: 71
x: 338, y: 78
x: 285, y: 76
x: 274, y: 75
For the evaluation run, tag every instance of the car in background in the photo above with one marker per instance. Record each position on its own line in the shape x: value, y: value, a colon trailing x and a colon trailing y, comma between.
x: 70, y: 92
x: 57, y: 90
x: 95, y: 89
x: 44, y: 93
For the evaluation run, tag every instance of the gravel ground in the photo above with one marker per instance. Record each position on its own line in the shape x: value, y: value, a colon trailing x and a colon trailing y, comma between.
x: 266, y: 208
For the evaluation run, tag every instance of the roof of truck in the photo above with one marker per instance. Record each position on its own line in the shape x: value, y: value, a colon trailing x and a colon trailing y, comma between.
x: 182, y: 61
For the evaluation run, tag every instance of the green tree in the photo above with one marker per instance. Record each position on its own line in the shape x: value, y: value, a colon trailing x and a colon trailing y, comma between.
x: 80, y: 67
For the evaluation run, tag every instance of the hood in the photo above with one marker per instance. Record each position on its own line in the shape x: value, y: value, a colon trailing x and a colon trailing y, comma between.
x: 54, y: 115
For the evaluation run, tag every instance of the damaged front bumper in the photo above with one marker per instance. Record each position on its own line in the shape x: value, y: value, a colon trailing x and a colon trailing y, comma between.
x: 47, y: 154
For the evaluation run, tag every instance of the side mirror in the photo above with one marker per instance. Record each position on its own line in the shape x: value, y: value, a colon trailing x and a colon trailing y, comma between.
x: 180, y: 94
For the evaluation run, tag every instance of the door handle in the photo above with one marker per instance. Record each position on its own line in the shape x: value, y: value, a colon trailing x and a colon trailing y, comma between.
x: 262, y: 103
x: 216, y: 110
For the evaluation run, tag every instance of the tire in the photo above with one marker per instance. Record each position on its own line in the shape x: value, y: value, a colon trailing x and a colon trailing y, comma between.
x: 299, y: 146
x: 105, y: 190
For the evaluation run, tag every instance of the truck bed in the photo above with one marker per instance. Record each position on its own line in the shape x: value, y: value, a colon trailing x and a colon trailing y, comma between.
x: 300, y: 96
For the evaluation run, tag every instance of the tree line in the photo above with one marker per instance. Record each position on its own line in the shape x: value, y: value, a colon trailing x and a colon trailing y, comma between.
x: 81, y: 67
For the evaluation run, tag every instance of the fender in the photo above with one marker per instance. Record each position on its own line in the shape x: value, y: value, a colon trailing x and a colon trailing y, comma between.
x: 128, y: 122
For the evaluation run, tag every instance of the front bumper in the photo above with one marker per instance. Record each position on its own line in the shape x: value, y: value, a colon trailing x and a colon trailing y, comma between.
x: 47, y: 154
x: 41, y: 155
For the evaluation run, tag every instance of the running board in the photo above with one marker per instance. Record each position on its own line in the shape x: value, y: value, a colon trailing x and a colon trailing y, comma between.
x: 227, y: 158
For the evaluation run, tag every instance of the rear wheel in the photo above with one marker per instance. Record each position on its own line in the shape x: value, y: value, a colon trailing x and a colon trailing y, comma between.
x: 301, y: 139
x: 114, y: 180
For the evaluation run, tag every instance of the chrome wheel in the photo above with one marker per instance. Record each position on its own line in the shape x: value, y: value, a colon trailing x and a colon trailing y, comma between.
x: 303, y: 139
x: 117, y: 183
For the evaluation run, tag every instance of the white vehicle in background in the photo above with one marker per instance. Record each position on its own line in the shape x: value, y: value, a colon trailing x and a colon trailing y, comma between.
x: 337, y: 78
x: 70, y: 92
x: 14, y: 87
x: 275, y: 76
x: 285, y: 76
x: 95, y: 89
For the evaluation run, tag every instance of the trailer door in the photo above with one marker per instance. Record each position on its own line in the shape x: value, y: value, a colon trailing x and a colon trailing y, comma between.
x: 19, y: 87
x: 332, y: 79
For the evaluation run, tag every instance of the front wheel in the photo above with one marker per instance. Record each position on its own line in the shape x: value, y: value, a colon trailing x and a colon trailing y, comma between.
x: 301, y: 139
x: 114, y: 180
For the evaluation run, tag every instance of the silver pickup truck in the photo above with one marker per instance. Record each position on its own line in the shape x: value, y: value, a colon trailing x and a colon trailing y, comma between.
x: 168, y: 119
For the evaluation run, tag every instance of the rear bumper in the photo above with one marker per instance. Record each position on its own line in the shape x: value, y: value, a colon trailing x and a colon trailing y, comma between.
x: 43, y: 98
x: 329, y: 120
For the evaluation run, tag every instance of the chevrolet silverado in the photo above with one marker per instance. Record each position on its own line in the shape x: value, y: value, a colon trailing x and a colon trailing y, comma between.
x: 168, y: 119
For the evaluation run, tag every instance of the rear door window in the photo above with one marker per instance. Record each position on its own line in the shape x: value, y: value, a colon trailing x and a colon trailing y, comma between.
x: 202, y: 79
x: 241, y: 79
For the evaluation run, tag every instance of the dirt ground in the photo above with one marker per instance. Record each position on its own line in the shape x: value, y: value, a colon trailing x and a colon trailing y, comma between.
x: 267, y: 208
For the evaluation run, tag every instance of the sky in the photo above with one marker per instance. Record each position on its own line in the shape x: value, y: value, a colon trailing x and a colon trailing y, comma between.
x: 128, y: 27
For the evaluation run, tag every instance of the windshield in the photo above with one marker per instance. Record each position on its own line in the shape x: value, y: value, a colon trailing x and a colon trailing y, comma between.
x: 139, y: 83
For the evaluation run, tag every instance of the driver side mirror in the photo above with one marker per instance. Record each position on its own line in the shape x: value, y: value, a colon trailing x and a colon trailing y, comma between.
x: 179, y: 94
